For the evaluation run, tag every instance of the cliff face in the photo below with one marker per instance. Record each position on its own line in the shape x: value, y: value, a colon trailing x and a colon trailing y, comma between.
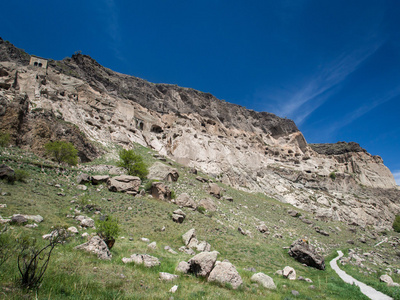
x: 259, y: 152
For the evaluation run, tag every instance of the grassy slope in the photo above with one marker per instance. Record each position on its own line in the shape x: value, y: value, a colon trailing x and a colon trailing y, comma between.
x: 74, y: 274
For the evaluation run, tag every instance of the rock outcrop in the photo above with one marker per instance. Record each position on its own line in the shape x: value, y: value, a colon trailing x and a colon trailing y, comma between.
x: 305, y: 253
x: 97, y: 246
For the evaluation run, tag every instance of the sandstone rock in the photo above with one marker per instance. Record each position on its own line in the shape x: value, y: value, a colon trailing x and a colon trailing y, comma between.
x: 187, y: 250
x: 20, y: 219
x: 6, y: 172
x: 193, y: 243
x: 293, y: 213
x: 173, y: 289
x: 145, y: 259
x: 203, y: 246
x: 167, y: 276
x: 386, y: 279
x: 124, y: 183
x: 97, y: 246
x: 208, y: 204
x: 225, y: 272
x: 185, y: 201
x: 202, y: 263
x: 178, y: 216
x: 170, y: 250
x: 87, y: 222
x: 152, y: 245
x: 73, y: 229
x: 264, y: 280
x: 262, y: 228
x: 201, y: 179
x: 215, y: 190
x: 34, y: 225
x: 289, y: 273
x: 99, y: 179
x: 35, y: 218
x: 188, y: 236
x: 3, y: 205
x: 160, y: 191
x: 160, y: 171
x: 320, y: 231
x: 306, y: 254
x: 81, y: 187
x: 183, y: 267
x: 227, y: 198
x: 83, y: 178
x: 146, y: 240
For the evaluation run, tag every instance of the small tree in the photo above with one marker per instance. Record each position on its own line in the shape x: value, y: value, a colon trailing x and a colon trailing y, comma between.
x: 396, y: 224
x: 133, y: 163
x: 108, y: 230
x: 62, y: 151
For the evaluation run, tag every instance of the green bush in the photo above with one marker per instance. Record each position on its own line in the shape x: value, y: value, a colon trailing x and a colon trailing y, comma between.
x: 201, y: 209
x: 133, y: 163
x: 332, y: 175
x: 4, y: 139
x: 396, y: 224
x: 62, y: 152
x: 21, y: 175
x: 107, y: 228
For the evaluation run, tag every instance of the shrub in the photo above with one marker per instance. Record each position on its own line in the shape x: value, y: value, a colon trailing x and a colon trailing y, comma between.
x: 396, y: 224
x: 21, y: 175
x: 62, y: 151
x: 173, y: 195
x: 4, y: 139
x: 332, y: 175
x: 201, y: 209
x: 108, y: 229
x: 133, y: 163
x: 33, y: 260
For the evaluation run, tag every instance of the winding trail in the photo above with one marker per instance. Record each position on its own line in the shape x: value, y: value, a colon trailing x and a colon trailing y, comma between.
x: 365, y: 289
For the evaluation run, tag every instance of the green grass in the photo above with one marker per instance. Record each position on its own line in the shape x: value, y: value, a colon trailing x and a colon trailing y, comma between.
x: 75, y: 274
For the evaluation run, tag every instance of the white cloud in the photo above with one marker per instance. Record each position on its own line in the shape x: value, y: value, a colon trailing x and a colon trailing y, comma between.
x: 396, y: 175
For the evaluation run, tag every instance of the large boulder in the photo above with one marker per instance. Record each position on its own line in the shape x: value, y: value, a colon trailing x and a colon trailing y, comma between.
x: 184, y: 200
x: 305, y: 253
x: 160, y: 191
x: 214, y: 190
x: 145, y: 259
x: 160, y: 171
x: 183, y: 267
x: 225, y: 272
x: 19, y: 219
x: 188, y: 236
x: 97, y: 246
x: 208, y: 204
x: 178, y: 216
x: 99, y: 179
x: 264, y: 280
x: 124, y: 183
x: 6, y: 172
x: 83, y: 178
x: 202, y: 263
x: 34, y: 218
x: 289, y: 272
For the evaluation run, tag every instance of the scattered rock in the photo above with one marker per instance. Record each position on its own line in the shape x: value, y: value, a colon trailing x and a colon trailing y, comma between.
x: 320, y: 231
x: 83, y: 178
x: 160, y: 191
x: 145, y: 259
x: 99, y: 179
x: 264, y: 280
x: 203, y: 246
x: 262, y: 228
x: 295, y: 293
x: 178, y: 216
x: 146, y: 240
x: 35, y: 218
x: 208, y: 204
x: 188, y: 236
x: 183, y: 267
x: 293, y: 213
x: 306, y: 254
x: 289, y: 273
x: 124, y: 183
x: 225, y: 272
x: 185, y: 201
x: 81, y: 187
x: 305, y: 220
x: 19, y: 219
x: 3, y: 205
x: 173, y: 289
x: 201, y: 179
x: 187, y: 250
x: 202, y: 263
x: 227, y: 198
x: 160, y: 171
x: 170, y: 250
x: 73, y: 229
x: 152, y: 245
x: 34, y: 225
x: 386, y: 279
x: 6, y: 172
x: 87, y: 222
x: 167, y: 276
x: 96, y: 245
x: 214, y: 190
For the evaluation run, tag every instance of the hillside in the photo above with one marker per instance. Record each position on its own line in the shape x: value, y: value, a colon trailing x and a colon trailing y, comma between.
x: 273, y: 187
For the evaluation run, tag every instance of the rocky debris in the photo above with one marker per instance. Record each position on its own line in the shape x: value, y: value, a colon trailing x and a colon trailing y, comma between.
x: 201, y: 179
x: 203, y: 246
x: 244, y: 232
x: 145, y: 259
x: 18, y: 219
x: 214, y: 190
x: 178, y: 216
x: 170, y: 250
x: 293, y: 213
x: 4, y: 221
x: 99, y: 179
x: 97, y: 246
x: 301, y: 278
x: 183, y: 267
x: 146, y: 240
x: 320, y: 231
x: 85, y: 221
x: 160, y: 171
x: 6, y: 172
x: 3, y: 205
x: 264, y: 280
x: 295, y: 293
x: 125, y: 184
x: 167, y: 276
x: 73, y: 229
x: 184, y: 200
x: 337, y: 149
x: 173, y: 289
x: 34, y: 218
x: 305, y: 220
x: 160, y: 191
x: 187, y: 250
x: 83, y: 178
x: 34, y: 225
x: 289, y: 272
x: 188, y: 236
x: 388, y: 280
x: 208, y: 204
x: 225, y: 272
x: 81, y: 187
x: 305, y: 253
x: 202, y: 263
x: 262, y: 228
x: 50, y: 235
x: 152, y: 245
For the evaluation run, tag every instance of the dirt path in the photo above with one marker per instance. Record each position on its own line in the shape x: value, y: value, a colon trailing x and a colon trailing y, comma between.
x: 365, y: 289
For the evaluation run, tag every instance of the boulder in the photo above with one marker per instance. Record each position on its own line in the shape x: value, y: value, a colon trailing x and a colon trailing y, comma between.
x: 306, y: 254
x: 193, y: 243
x: 81, y: 187
x: 97, y: 246
x: 160, y: 191
x: 201, y: 179
x: 183, y: 267
x: 187, y: 250
x: 178, y: 216
x: 152, y: 245
x: 185, y: 201
x: 145, y: 259
x: 386, y: 279
x: 99, y: 179
x: 227, y: 198
x: 124, y: 183
x: 225, y: 272
x: 170, y: 250
x: 35, y: 218
x: 173, y: 289
x: 289, y: 272
x: 264, y: 280
x: 214, y: 190
x: 6, y: 172
x: 262, y: 228
x: 87, y: 222
x: 293, y: 213
x: 20, y: 219
x: 167, y: 276
x: 202, y: 263
x: 73, y: 229
x: 203, y: 246
x: 83, y: 178
x: 188, y: 236
x: 208, y: 204
x: 160, y: 171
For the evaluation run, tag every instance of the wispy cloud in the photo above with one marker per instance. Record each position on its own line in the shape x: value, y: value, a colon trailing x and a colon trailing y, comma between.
x: 396, y: 175
x: 325, y: 82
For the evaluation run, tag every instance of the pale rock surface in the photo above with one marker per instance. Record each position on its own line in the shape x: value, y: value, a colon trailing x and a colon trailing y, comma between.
x: 289, y: 273
x: 188, y: 236
x: 208, y: 204
x: 160, y: 171
x: 184, y: 200
x: 264, y: 280
x: 97, y: 246
x: 124, y: 183
x: 167, y: 276
x: 183, y: 267
x: 202, y: 263
x: 225, y: 272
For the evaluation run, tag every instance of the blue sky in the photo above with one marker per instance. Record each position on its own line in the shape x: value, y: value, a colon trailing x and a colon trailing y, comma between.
x: 332, y: 66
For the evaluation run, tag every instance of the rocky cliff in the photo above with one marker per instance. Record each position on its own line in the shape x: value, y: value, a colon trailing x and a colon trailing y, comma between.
x: 259, y: 152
